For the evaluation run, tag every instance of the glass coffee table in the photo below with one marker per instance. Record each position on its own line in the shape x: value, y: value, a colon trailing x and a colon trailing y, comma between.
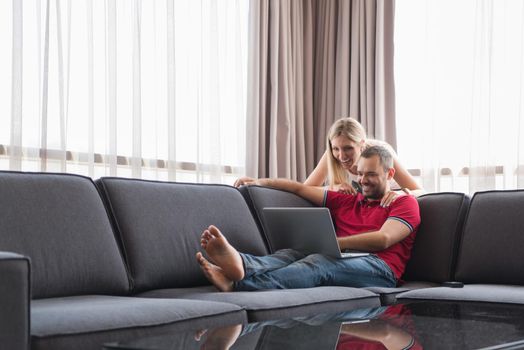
x: 416, y: 325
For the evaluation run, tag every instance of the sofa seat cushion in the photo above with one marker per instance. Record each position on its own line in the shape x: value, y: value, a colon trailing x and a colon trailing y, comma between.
x: 472, y: 292
x: 403, y: 288
x: 70, y: 322
x: 282, y: 303
x: 92, y: 313
x: 388, y: 296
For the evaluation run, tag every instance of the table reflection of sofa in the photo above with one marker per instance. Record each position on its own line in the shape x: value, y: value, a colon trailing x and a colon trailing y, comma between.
x: 85, y: 263
x: 415, y: 325
x: 321, y: 331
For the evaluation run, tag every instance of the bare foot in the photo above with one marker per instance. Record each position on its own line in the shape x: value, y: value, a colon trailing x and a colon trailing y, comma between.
x: 223, y: 254
x: 214, y: 274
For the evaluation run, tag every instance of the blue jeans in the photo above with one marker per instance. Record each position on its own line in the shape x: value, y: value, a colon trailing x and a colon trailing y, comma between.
x: 288, y: 269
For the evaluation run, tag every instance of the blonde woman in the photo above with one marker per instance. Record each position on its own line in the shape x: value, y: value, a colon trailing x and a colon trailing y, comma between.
x: 337, y: 169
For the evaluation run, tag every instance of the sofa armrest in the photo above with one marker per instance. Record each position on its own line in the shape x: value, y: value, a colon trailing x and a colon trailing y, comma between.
x: 14, y: 301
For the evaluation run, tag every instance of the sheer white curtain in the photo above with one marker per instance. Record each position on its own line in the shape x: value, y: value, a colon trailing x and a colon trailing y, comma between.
x: 460, y: 92
x: 145, y: 89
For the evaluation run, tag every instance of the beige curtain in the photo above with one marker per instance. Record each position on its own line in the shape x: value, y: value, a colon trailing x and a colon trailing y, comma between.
x: 311, y: 62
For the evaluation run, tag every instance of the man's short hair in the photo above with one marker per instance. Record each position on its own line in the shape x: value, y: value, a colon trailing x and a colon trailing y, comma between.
x: 384, y: 155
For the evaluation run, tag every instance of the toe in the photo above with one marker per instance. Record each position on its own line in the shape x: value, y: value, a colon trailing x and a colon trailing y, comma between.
x: 200, y: 258
x: 207, y: 235
x: 214, y: 231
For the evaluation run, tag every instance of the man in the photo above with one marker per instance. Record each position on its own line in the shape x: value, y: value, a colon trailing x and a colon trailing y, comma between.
x: 361, y: 224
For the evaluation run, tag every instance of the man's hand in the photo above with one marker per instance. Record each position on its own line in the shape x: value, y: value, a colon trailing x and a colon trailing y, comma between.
x: 248, y: 181
x: 244, y: 181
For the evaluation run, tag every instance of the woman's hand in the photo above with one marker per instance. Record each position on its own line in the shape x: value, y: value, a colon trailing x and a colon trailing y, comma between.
x: 244, y: 181
x: 345, y: 188
x: 390, y: 198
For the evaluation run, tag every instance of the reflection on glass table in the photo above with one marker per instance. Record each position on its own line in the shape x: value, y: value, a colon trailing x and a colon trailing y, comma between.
x: 421, y: 325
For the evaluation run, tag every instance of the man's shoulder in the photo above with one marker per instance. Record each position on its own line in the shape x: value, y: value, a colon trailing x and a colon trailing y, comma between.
x: 342, y: 195
x: 406, y: 208
x: 339, y: 197
x: 405, y: 201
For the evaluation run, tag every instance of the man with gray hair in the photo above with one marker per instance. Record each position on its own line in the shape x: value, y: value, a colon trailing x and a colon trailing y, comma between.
x: 361, y: 224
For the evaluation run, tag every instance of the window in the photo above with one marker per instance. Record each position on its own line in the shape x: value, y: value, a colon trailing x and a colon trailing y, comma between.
x: 148, y: 89
x: 459, y: 74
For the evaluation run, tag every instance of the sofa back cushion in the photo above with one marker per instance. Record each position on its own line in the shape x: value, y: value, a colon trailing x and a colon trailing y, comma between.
x: 259, y: 198
x: 59, y: 221
x: 160, y: 223
x: 491, y: 247
x: 433, y: 256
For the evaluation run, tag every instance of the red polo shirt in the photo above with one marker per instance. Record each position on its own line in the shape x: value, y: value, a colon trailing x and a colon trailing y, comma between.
x: 355, y: 214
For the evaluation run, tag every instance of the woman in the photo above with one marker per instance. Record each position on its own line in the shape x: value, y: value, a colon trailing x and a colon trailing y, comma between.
x: 345, y: 142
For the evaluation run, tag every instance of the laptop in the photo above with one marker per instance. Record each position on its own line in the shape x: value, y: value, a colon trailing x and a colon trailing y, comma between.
x: 307, y: 230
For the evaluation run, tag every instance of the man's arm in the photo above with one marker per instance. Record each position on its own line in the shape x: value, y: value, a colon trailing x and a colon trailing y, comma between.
x: 312, y: 194
x: 391, y: 232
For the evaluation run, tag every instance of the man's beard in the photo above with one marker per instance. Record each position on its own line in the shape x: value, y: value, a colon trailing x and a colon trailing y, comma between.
x: 376, y: 193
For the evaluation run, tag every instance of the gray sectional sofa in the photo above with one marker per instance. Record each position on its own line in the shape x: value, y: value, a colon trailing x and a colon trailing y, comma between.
x: 84, y: 263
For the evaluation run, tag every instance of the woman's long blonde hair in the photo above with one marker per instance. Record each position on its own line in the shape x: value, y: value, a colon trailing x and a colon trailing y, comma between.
x: 354, y: 131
